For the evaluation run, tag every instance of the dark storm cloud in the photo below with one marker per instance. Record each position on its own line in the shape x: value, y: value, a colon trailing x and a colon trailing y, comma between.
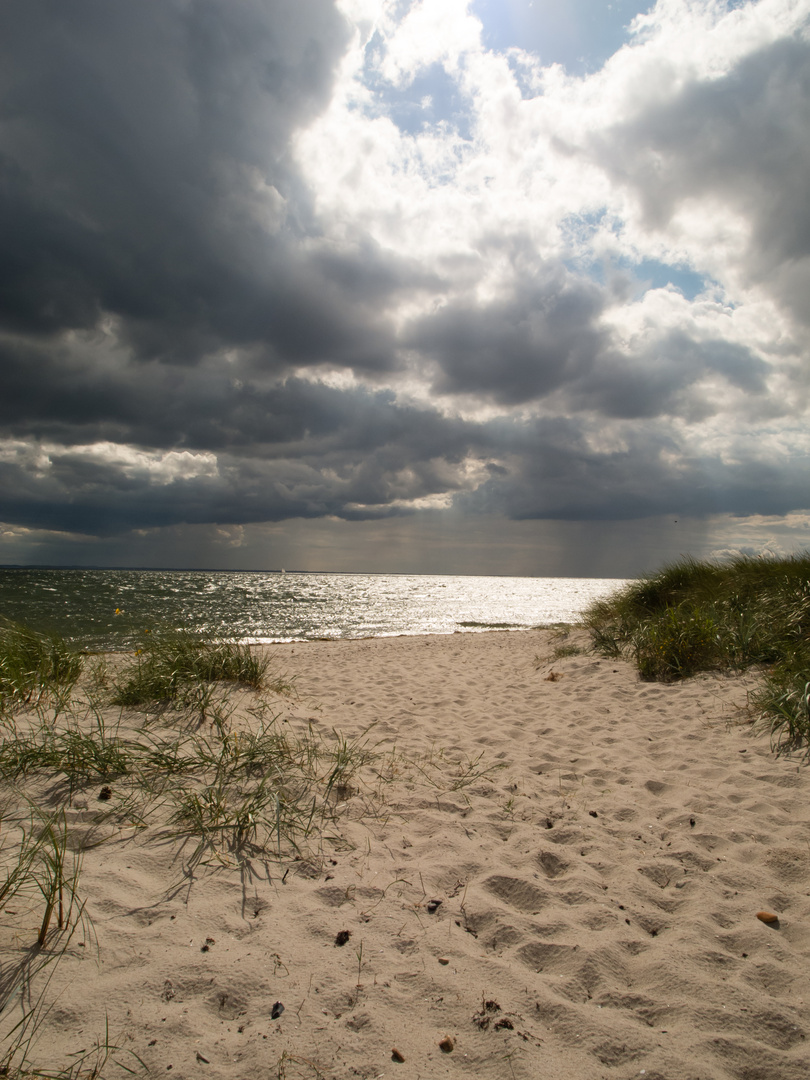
x: 517, y: 349
x: 231, y: 455
x: 558, y: 469
x: 546, y: 338
x: 664, y: 378
x: 371, y: 457
x: 139, y: 147
x: 744, y: 139
x: 98, y: 497
x: 60, y: 396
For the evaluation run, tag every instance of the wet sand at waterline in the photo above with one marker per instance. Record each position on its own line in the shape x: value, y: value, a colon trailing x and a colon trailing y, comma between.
x: 550, y: 869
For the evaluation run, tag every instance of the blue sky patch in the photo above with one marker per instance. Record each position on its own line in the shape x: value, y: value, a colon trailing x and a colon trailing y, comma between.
x: 432, y: 98
x: 659, y: 275
x: 579, y: 34
x: 648, y: 274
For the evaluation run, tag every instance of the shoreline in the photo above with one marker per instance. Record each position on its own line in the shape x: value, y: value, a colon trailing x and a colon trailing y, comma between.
x: 559, y: 874
x: 271, y: 643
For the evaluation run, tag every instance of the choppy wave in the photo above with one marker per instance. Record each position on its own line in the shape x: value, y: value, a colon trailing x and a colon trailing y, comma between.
x: 111, y: 609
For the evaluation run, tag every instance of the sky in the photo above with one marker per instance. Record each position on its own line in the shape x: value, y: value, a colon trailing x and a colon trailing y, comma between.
x: 423, y: 286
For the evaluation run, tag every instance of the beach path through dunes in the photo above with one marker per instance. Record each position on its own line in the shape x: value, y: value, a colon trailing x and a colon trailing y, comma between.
x: 552, y: 869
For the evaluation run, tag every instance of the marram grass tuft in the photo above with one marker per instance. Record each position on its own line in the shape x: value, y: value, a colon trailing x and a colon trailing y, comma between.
x: 175, y: 668
x: 710, y: 616
x: 34, y: 666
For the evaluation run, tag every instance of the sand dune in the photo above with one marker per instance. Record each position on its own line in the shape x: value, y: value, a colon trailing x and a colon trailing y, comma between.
x: 559, y: 871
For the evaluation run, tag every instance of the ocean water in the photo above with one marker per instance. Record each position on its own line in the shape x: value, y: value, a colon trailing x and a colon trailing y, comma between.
x: 111, y: 609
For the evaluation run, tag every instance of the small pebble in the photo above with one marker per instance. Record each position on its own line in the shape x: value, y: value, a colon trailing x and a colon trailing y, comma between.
x: 433, y: 906
x: 277, y: 1010
x: 443, y: 960
x: 447, y: 1045
x: 396, y: 1056
x: 767, y: 917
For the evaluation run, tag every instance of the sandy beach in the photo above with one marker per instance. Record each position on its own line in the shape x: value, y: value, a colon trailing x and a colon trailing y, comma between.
x: 549, y: 869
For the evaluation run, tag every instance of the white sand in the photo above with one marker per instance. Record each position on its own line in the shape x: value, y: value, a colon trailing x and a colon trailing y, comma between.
x: 599, y: 890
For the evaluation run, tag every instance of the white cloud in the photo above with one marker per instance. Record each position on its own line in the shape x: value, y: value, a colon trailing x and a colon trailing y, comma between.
x: 530, y: 163
x: 533, y: 183
x: 155, y: 467
x: 432, y: 31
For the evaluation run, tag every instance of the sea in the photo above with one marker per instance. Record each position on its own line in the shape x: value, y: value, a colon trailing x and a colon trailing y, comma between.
x: 112, y: 609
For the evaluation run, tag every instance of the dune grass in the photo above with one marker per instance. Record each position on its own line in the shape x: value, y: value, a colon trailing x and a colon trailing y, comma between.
x: 178, y: 667
x: 230, y: 794
x: 40, y: 911
x: 694, y: 616
x: 34, y: 666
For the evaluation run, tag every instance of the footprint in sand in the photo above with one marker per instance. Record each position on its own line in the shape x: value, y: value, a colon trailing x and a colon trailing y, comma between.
x: 552, y: 865
x: 519, y: 894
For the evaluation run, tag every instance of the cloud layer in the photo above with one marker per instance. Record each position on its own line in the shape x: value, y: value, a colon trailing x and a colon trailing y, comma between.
x: 341, y: 260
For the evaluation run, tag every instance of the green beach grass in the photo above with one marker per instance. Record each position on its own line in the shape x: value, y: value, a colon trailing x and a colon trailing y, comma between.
x: 694, y: 616
x: 176, y: 667
x: 34, y: 666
